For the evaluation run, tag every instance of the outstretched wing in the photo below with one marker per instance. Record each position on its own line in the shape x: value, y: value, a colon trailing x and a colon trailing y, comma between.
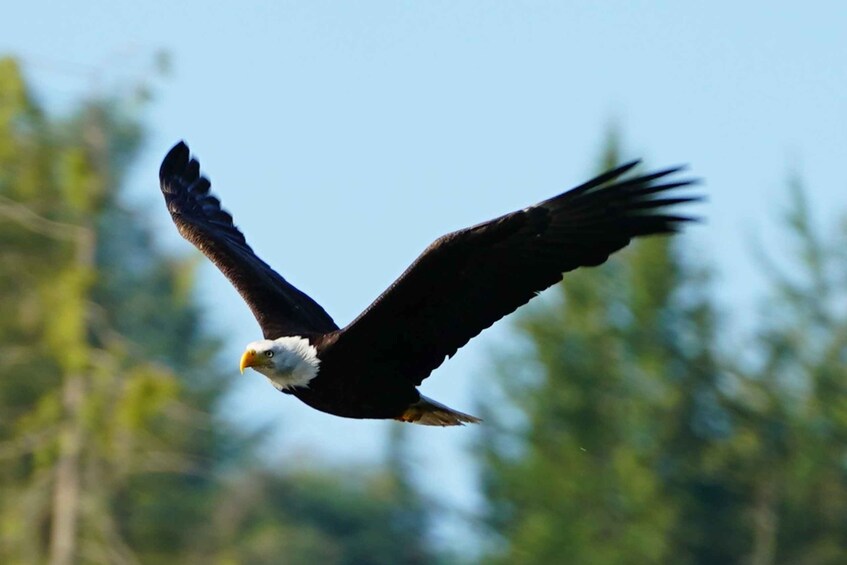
x: 469, y: 279
x: 279, y: 307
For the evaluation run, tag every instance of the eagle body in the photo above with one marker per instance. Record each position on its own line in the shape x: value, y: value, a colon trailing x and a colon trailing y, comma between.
x: 460, y: 285
x: 295, y: 365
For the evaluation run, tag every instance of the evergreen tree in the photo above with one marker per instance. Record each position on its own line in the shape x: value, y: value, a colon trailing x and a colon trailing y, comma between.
x: 639, y: 437
x: 579, y: 473
x: 577, y: 481
x: 789, y: 448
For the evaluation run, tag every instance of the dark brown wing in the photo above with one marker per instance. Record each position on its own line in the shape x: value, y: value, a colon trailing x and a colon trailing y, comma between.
x: 469, y: 279
x: 280, y: 308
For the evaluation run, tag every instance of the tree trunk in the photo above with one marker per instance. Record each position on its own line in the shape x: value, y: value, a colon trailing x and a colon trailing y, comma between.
x: 66, y: 491
x: 765, y: 522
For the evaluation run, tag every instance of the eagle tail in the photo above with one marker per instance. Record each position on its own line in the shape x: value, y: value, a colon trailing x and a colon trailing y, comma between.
x: 428, y: 412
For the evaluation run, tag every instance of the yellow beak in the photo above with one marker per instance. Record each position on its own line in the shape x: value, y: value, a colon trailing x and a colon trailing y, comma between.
x: 248, y: 359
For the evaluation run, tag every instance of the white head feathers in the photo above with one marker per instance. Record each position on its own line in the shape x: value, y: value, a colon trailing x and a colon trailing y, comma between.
x: 287, y: 361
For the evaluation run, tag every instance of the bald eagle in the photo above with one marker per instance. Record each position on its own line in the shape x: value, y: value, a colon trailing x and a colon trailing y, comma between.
x: 461, y: 284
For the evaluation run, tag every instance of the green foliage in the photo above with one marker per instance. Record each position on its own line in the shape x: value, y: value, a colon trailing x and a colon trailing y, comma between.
x: 88, y: 410
x: 110, y: 450
x: 792, y: 403
x: 324, y: 519
x: 640, y: 437
x: 592, y: 427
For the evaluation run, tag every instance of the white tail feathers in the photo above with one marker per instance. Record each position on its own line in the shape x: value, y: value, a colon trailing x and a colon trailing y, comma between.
x: 428, y: 412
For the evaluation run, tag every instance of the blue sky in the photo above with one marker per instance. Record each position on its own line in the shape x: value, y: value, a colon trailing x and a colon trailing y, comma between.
x: 345, y: 136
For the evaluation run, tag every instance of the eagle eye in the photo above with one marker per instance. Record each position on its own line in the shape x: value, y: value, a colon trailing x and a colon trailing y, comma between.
x: 269, y: 353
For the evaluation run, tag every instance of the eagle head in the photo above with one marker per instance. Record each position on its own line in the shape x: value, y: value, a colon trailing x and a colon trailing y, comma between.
x: 287, y: 362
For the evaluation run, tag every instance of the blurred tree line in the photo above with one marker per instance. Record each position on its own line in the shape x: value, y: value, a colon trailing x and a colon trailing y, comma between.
x: 623, y: 425
x: 110, y: 449
x: 637, y: 432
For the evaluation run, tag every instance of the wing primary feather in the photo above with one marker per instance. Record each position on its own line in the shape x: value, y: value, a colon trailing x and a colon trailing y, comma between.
x: 662, y: 202
x: 656, y: 188
x: 175, y: 161
x: 604, y: 178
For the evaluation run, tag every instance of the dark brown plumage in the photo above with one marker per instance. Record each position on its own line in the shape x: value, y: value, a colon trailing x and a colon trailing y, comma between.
x: 460, y: 285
